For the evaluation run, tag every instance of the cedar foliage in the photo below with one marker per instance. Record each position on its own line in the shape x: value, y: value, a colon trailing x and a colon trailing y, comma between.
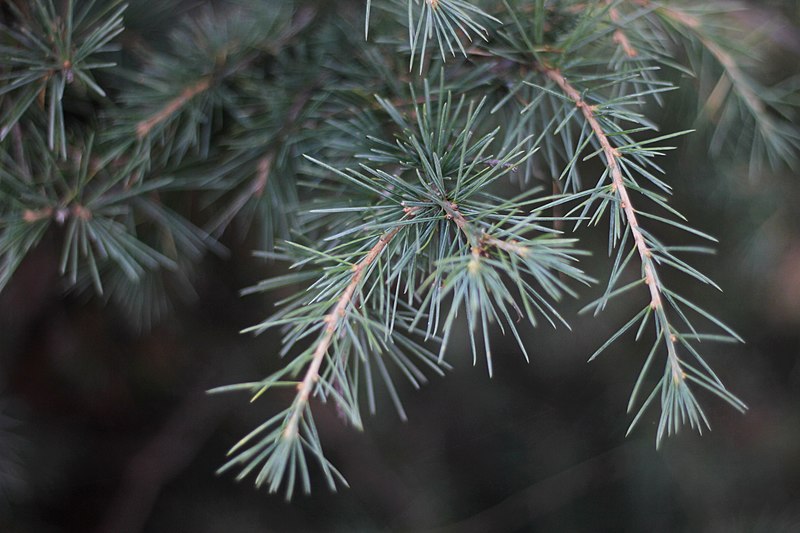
x: 433, y: 171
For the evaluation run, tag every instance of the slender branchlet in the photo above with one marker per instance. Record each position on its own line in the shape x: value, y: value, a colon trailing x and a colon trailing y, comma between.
x: 619, y: 34
x: 144, y: 127
x: 612, y: 156
x: 480, y: 240
x: 332, y: 322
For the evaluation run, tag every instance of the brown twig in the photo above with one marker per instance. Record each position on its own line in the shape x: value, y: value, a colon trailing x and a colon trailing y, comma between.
x: 35, y: 215
x: 332, y: 321
x: 619, y: 36
x: 144, y: 127
x: 59, y: 214
x: 255, y: 190
x: 511, y: 246
x: 480, y: 240
x: 301, y: 20
x: 262, y: 175
x: 264, y: 164
x: 612, y: 156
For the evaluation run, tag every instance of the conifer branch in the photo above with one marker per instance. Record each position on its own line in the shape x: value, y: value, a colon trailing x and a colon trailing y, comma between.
x: 408, y: 228
x: 620, y: 37
x: 480, y: 240
x: 612, y: 156
x: 262, y: 174
x: 173, y: 106
x: 455, y: 215
x: 332, y: 322
x: 769, y: 112
x: 255, y: 189
x: 725, y: 59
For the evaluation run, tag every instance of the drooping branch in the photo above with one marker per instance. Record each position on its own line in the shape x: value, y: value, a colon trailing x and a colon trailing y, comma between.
x: 332, y: 321
x: 612, y: 156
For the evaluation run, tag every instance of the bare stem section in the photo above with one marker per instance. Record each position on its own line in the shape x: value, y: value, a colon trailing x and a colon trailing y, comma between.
x: 332, y: 320
x: 612, y: 157
x: 619, y: 35
x: 144, y: 127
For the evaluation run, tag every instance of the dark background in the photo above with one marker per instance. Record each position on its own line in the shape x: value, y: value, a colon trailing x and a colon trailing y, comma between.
x: 106, y: 429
